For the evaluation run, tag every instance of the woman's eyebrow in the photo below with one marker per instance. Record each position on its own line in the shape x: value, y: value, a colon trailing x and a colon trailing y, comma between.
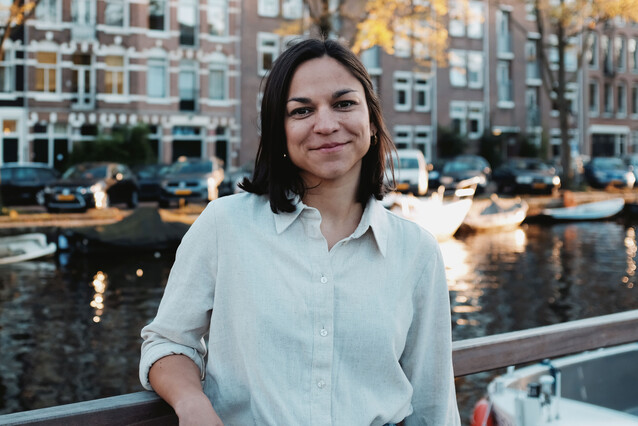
x: 335, y: 95
x: 300, y: 100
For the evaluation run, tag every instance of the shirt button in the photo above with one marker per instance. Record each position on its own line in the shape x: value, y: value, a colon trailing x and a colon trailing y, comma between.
x: 321, y: 384
x: 324, y: 279
x: 323, y: 332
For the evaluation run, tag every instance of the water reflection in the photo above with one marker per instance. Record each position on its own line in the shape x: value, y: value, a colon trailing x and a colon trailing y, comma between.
x: 69, y: 331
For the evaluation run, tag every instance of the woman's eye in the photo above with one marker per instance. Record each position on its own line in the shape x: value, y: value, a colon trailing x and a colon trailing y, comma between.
x: 345, y: 104
x: 299, y: 112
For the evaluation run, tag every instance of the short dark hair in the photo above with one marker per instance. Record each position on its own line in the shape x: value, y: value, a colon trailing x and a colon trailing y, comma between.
x: 274, y: 174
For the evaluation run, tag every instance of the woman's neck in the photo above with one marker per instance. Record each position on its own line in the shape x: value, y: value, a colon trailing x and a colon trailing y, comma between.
x: 339, y: 208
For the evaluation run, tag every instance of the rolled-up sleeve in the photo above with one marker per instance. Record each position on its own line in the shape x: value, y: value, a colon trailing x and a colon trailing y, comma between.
x: 427, y: 358
x: 183, y: 317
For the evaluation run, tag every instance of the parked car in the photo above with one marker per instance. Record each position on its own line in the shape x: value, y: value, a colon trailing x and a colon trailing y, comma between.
x: 526, y: 175
x: 602, y: 172
x: 192, y: 180
x: 93, y: 184
x: 149, y: 178
x: 410, y: 172
x: 23, y: 183
x: 466, y: 170
x: 235, y: 176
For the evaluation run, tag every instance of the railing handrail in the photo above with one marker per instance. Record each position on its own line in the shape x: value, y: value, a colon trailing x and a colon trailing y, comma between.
x: 470, y: 356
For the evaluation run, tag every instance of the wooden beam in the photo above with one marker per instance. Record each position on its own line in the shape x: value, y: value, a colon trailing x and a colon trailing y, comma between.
x: 518, y: 347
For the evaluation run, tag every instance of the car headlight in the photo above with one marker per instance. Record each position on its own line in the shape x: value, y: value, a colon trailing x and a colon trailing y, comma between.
x: 524, y: 180
x: 446, y: 180
x: 556, y: 180
x: 47, y: 190
x: 97, y: 187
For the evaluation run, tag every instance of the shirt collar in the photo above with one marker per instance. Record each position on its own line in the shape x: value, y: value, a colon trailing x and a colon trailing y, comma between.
x: 374, y: 217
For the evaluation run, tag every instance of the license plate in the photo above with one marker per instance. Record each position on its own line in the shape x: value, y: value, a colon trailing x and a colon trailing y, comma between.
x: 183, y: 192
x: 538, y: 185
x: 403, y: 186
x: 63, y: 197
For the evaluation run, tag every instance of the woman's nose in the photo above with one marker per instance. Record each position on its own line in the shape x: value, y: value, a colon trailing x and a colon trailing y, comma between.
x: 326, y: 121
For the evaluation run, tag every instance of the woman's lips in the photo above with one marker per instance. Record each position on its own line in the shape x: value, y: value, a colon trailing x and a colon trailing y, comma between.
x: 329, y: 147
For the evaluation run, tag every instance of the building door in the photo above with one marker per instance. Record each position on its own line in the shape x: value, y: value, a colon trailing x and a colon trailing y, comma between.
x: 83, y: 81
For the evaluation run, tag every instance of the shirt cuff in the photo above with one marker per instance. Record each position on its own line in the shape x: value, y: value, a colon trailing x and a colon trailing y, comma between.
x: 158, y: 351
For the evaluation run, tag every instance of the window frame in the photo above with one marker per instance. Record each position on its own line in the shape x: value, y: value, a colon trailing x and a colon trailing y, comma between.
x: 264, y: 49
x: 402, y: 82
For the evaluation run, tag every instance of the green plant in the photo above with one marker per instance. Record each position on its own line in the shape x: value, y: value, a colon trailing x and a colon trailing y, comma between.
x: 491, y: 148
x: 449, y: 143
x: 127, y: 145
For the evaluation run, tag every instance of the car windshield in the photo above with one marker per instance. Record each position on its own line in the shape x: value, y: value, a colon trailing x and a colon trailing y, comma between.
x: 529, y: 165
x: 459, y: 166
x: 85, y: 171
x: 185, y: 167
x: 151, y: 171
x: 609, y: 163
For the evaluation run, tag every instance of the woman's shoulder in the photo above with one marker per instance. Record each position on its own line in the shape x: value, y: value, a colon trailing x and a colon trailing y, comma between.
x: 405, y: 231
x: 239, y: 207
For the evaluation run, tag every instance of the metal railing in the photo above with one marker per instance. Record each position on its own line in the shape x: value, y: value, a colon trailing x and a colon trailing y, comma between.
x: 470, y: 356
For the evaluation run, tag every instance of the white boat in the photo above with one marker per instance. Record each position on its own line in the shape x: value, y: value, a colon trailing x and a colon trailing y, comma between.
x: 439, y: 216
x: 594, y: 388
x: 588, y: 211
x: 18, y: 248
x: 497, y: 214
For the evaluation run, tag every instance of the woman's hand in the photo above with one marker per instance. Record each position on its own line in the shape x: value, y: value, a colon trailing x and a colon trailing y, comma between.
x: 197, y: 411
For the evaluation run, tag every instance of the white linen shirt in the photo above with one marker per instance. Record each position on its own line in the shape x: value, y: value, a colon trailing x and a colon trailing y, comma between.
x: 302, y: 335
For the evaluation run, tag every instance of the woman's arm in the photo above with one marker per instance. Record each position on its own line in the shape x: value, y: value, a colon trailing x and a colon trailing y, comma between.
x: 176, y: 379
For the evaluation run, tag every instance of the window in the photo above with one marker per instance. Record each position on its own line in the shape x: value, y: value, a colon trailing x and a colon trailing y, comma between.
x: 633, y: 54
x: 608, y: 65
x: 83, y: 12
x: 532, y: 68
x: 371, y: 59
x: 157, y: 15
x: 456, y: 26
x: 458, y: 68
x: 475, y: 20
x: 475, y: 69
x: 421, y: 93
x: 114, y: 75
x: 267, y: 51
x: 114, y: 13
x: 423, y: 140
x: 571, y: 56
x: 187, y: 19
x: 46, y: 72
x: 531, y: 104
x: 187, y: 85
x: 292, y: 9
x: 402, y: 45
x: 269, y: 8
x: 609, y: 99
x: 403, y: 136
x: 620, y: 53
x: 458, y: 116
x: 503, y: 31
x: 83, y: 81
x: 621, y: 91
x: 475, y: 118
x: 7, y: 72
x: 156, y: 78
x: 593, y: 98
x: 634, y: 99
x: 592, y: 50
x: 217, y: 17
x: 218, y: 82
x: 504, y: 82
x: 402, y: 91
x: 47, y: 11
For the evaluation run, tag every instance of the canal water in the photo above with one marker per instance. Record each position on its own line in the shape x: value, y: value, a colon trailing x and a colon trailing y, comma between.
x: 69, y: 328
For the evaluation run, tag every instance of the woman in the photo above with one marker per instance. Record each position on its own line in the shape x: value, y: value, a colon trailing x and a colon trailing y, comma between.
x: 320, y: 306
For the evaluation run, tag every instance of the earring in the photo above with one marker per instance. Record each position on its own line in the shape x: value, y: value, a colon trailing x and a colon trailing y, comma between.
x: 285, y: 155
x: 374, y: 139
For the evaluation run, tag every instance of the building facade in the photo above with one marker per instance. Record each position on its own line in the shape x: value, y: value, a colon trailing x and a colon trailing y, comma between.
x: 192, y: 70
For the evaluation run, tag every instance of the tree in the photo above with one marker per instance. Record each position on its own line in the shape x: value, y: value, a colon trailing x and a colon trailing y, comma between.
x: 363, y: 24
x: 127, y: 145
x: 16, y: 14
x: 559, y: 23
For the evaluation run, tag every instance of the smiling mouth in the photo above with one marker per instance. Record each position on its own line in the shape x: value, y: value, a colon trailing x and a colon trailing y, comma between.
x: 328, y: 147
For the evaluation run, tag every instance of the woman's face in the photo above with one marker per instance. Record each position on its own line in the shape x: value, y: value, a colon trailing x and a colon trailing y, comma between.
x: 327, y: 122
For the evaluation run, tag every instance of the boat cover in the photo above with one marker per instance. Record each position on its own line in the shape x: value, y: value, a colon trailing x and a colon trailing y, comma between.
x: 143, y: 229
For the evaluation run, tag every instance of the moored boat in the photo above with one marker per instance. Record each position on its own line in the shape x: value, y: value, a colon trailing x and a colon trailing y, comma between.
x: 592, y: 388
x: 498, y: 214
x: 18, y: 248
x: 588, y: 211
x: 440, y: 216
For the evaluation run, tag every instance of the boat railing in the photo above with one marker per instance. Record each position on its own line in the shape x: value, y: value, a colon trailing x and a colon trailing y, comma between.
x: 470, y: 356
